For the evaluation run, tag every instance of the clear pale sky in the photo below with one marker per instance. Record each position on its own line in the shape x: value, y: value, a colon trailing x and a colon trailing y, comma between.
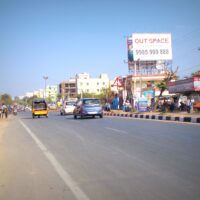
x: 60, y: 38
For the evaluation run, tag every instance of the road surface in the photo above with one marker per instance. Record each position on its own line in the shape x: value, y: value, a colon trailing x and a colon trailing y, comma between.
x: 98, y: 159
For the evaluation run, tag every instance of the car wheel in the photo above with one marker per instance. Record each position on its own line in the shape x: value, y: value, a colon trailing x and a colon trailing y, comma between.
x: 101, y: 116
x: 75, y: 117
x: 33, y: 116
x: 93, y: 116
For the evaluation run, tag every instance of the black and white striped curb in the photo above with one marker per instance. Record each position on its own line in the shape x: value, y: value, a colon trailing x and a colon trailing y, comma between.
x: 157, y: 117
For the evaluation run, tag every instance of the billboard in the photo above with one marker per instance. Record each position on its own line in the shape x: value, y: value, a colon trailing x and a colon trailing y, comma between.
x: 130, y: 49
x: 186, y: 85
x: 152, y: 46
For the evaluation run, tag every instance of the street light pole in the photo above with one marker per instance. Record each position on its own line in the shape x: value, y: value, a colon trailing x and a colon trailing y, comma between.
x: 45, y: 79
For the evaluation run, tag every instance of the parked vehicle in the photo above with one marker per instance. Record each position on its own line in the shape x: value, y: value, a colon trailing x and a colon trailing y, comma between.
x: 67, y: 107
x: 88, y: 107
x: 39, y: 108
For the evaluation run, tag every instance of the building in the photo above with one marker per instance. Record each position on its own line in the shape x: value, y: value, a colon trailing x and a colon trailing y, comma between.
x: 68, y: 89
x: 85, y: 84
x: 51, y: 93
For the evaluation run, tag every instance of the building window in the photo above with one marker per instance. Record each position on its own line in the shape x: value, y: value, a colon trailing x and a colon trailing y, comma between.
x: 97, y: 83
x: 103, y: 83
x: 87, y: 83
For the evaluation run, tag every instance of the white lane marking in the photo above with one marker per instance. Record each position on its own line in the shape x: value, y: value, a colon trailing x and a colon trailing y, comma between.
x: 116, y: 130
x: 66, y: 177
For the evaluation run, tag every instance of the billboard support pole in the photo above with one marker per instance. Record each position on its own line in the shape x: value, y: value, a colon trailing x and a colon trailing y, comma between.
x: 134, y: 89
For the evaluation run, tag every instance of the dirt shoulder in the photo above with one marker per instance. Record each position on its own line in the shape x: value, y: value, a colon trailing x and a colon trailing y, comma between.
x: 3, y: 124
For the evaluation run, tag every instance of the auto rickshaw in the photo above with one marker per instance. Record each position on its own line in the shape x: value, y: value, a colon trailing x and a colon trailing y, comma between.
x: 39, y: 108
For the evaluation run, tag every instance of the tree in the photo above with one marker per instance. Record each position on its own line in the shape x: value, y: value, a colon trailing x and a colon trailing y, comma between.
x: 162, y: 85
x: 6, y: 99
x: 197, y: 73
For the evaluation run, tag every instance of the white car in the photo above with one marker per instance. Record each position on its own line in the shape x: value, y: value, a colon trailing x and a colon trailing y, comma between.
x: 67, y: 108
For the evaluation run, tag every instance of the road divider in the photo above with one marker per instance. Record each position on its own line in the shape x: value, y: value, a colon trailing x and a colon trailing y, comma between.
x: 156, y: 117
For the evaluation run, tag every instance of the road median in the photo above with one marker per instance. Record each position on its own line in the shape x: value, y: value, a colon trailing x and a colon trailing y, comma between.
x: 178, y: 116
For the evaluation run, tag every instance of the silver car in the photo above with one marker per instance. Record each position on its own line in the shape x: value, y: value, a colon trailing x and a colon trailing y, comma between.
x: 67, y: 108
x: 88, y: 107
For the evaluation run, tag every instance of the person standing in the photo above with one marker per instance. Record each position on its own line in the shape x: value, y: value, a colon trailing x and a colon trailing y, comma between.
x: 4, y: 111
x: 189, y: 104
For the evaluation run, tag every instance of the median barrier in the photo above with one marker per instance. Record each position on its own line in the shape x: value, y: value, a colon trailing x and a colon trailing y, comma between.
x: 157, y: 116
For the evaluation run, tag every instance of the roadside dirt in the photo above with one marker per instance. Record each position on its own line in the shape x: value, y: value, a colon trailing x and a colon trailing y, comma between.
x: 4, y: 122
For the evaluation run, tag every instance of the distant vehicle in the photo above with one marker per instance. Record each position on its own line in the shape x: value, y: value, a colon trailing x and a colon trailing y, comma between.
x: 67, y: 107
x: 39, y: 108
x: 88, y: 107
x: 52, y: 106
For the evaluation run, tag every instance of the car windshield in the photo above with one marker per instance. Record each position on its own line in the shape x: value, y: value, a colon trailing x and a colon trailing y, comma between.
x: 91, y: 102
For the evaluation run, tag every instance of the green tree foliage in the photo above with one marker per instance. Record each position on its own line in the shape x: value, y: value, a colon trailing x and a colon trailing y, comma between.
x: 6, y: 99
x: 197, y: 73
x: 28, y: 100
x: 163, y: 84
x: 105, y: 95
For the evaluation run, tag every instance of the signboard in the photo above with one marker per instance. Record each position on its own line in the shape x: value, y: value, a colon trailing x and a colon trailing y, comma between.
x: 142, y: 105
x: 187, y: 85
x: 130, y: 49
x: 152, y: 46
x: 196, y: 83
x: 117, y: 82
x: 149, y: 94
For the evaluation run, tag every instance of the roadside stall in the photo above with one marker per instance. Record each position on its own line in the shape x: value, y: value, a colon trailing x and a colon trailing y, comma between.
x: 189, y: 88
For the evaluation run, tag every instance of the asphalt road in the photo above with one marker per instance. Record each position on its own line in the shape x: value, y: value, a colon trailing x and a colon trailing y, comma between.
x: 98, y: 159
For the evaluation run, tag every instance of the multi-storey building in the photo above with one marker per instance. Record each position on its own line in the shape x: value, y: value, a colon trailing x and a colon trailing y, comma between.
x: 51, y: 92
x: 68, y: 89
x: 85, y: 84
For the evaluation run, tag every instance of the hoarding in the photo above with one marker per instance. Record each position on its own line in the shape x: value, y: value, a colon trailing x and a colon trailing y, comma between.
x: 152, y: 46
x: 130, y: 49
x: 187, y: 85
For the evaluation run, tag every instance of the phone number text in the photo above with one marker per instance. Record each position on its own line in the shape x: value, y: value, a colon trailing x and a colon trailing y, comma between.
x: 152, y: 52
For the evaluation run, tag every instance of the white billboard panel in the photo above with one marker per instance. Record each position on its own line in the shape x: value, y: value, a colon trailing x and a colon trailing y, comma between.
x: 152, y: 46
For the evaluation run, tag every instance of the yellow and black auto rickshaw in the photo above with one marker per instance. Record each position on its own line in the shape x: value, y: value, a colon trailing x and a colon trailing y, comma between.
x: 39, y: 108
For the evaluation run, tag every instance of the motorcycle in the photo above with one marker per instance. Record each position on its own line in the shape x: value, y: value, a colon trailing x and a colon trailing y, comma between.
x: 15, y: 111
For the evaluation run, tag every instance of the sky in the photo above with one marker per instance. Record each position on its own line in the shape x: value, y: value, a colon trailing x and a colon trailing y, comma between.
x: 61, y: 38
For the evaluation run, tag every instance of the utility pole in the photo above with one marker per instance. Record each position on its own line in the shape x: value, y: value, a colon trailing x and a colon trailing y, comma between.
x: 139, y: 67
x: 45, y: 79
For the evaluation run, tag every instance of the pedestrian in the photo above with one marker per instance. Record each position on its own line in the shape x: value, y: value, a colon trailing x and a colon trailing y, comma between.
x: 115, y: 102
x: 153, y: 104
x: 172, y: 106
x: 4, y: 111
x: 189, y: 104
x: 0, y: 111
x: 127, y: 106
